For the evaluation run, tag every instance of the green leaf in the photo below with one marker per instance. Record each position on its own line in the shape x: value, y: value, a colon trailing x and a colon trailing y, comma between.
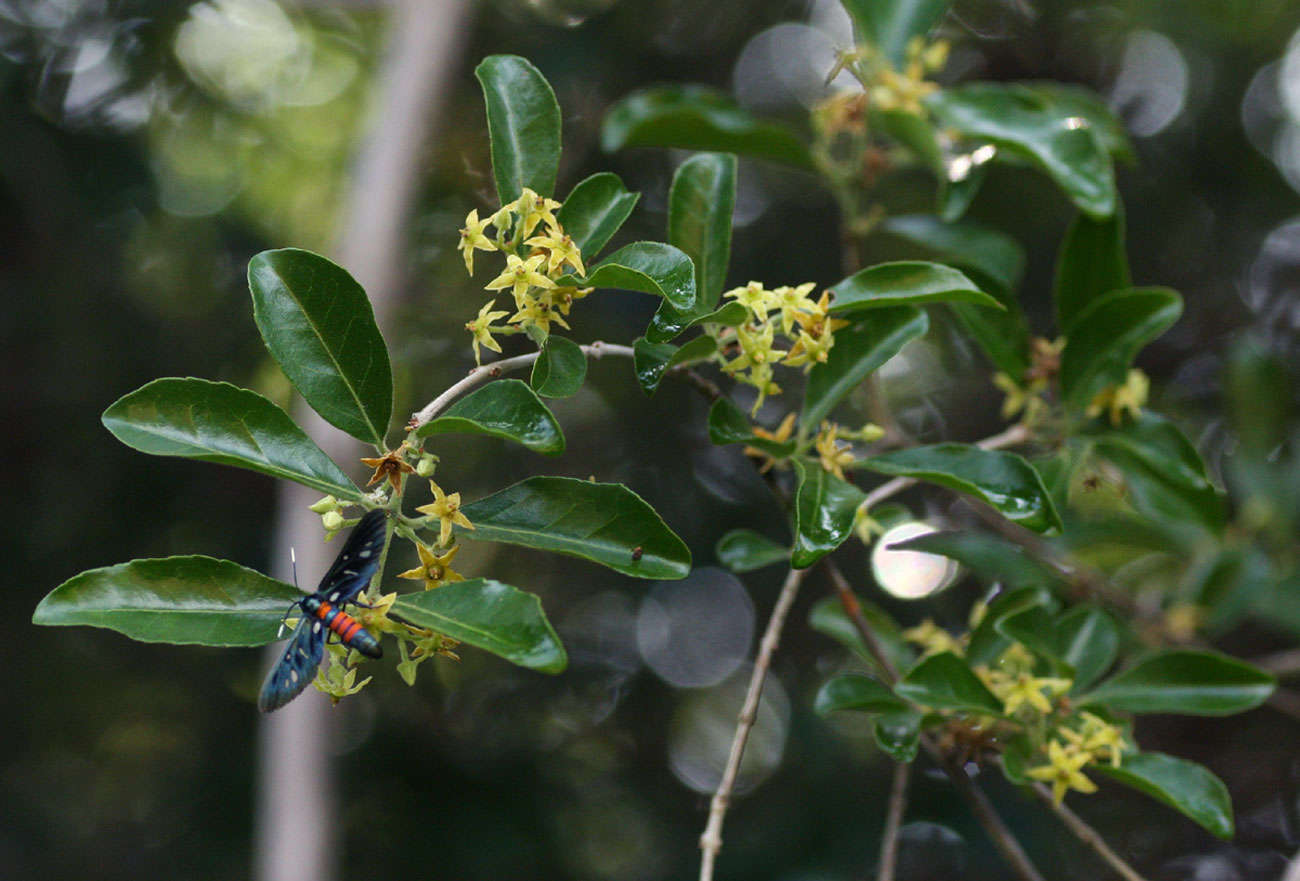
x: 523, y: 121
x: 648, y: 267
x: 958, y: 189
x: 728, y: 424
x: 1163, y: 470
x: 1034, y: 629
x: 890, y: 24
x: 181, y: 600
x: 743, y: 550
x: 1089, y: 640
x: 1187, y: 787
x: 906, y: 283
x: 699, y: 223
x: 487, y: 614
x: 698, y: 118
x: 824, y: 510
x: 319, y: 327
x: 606, y: 523
x: 1093, y: 261
x: 995, y: 262
x: 913, y: 131
x: 987, y: 556
x: 854, y: 692
x: 828, y: 618
x: 560, y: 368
x: 1068, y: 100
x: 1193, y: 683
x: 506, y: 408
x: 944, y: 682
x: 218, y: 422
x: 972, y: 247
x: 594, y: 210
x: 1107, y: 335
x: 652, y: 360
x: 859, y: 349
x: 1027, y: 123
x: 987, y: 642
x: 1000, y: 479
x: 899, y: 735
x: 1017, y: 756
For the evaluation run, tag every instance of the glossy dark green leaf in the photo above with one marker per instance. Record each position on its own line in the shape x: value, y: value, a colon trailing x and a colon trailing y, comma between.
x: 728, y: 424
x: 945, y: 682
x: 1017, y: 758
x: 972, y: 247
x: 995, y: 262
x: 1164, y: 473
x: 729, y: 314
x: 987, y: 642
x: 1033, y: 628
x: 648, y: 267
x: 699, y: 224
x: 1002, y: 480
x: 489, y: 615
x: 988, y: 556
x: 1031, y: 125
x: 318, y: 325
x: 560, y: 368
x: 860, y: 348
x: 1089, y: 640
x: 606, y: 523
x: 744, y: 550
x: 1093, y: 261
x: 1258, y: 387
x: 698, y: 118
x: 828, y: 618
x: 506, y: 408
x: 855, y: 692
x: 957, y: 191
x: 1069, y: 100
x: 1191, y: 789
x: 523, y: 120
x: 899, y: 735
x: 652, y: 360
x: 218, y: 422
x: 906, y: 283
x: 594, y: 210
x: 183, y: 600
x: 1193, y: 683
x: 1107, y: 335
x: 824, y: 510
x: 888, y: 25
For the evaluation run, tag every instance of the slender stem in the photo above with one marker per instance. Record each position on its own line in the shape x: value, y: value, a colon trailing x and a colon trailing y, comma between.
x: 480, y: 375
x: 711, y: 839
x: 893, y: 822
x: 1282, y: 664
x: 1087, y: 834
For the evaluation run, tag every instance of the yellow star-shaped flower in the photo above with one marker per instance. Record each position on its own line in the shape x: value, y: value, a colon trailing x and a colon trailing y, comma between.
x: 791, y: 302
x: 446, y: 509
x: 1063, y: 770
x: 481, y: 328
x: 534, y: 209
x: 538, y: 313
x: 472, y: 237
x: 1098, y: 737
x: 520, y: 275
x: 933, y: 639
x: 834, y: 455
x: 781, y: 435
x: 560, y: 250
x: 754, y: 297
x: 434, y: 569
x: 1029, y: 689
x: 561, y: 299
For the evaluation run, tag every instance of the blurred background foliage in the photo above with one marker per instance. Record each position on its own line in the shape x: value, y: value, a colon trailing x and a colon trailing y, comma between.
x: 148, y: 149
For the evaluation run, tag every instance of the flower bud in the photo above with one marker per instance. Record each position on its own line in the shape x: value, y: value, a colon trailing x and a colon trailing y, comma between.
x: 332, y: 521
x: 325, y: 505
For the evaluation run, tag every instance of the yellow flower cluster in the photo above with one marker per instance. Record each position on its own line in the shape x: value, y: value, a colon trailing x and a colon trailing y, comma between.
x: 1074, y: 749
x: 799, y: 318
x: 933, y: 639
x: 533, y: 264
x: 884, y: 86
x: 1116, y: 400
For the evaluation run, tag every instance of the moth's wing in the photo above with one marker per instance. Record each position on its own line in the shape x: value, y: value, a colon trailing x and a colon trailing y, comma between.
x: 357, y: 562
x: 296, y: 667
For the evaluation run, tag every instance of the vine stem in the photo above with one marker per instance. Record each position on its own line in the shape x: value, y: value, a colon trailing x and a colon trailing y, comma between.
x: 1086, y: 834
x: 480, y: 375
x: 893, y: 821
x: 711, y: 839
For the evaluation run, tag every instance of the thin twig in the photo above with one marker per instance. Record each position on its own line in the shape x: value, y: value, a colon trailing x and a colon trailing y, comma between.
x: 1087, y: 834
x: 1282, y: 664
x: 711, y: 839
x: 480, y: 375
x: 893, y: 821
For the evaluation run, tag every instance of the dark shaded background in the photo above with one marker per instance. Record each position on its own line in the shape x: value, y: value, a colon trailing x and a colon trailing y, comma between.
x: 133, y: 192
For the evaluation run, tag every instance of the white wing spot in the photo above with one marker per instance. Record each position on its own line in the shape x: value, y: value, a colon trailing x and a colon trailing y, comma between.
x: 334, y: 596
x: 315, y: 628
x: 293, y: 674
x: 364, y: 554
x: 349, y: 572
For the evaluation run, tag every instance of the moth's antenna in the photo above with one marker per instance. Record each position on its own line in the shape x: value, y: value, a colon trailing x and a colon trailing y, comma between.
x: 293, y: 563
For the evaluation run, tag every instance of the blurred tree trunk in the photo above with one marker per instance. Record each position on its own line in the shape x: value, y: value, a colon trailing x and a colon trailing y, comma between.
x: 297, y: 831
